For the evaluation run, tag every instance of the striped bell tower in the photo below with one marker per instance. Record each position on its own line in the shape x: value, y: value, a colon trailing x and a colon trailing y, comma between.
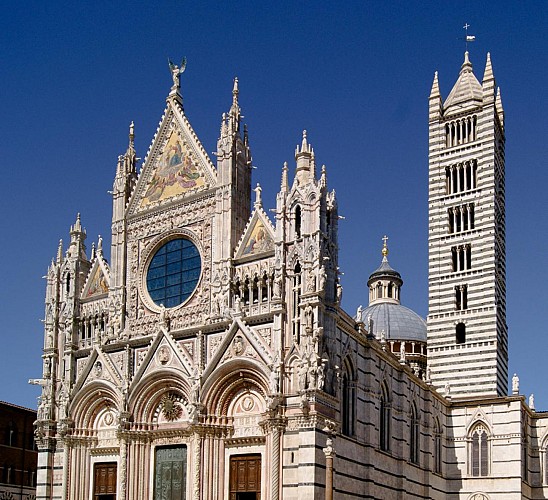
x: 467, y: 331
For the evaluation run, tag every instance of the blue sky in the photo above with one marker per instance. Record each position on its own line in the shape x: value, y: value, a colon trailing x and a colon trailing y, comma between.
x: 356, y: 75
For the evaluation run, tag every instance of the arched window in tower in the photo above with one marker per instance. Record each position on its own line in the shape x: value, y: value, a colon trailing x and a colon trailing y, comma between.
x: 379, y: 290
x: 390, y: 291
x: 385, y: 417
x: 296, y: 298
x: 328, y: 215
x: 479, y: 452
x: 348, y: 409
x: 460, y: 336
x: 437, y: 447
x: 414, y: 443
x: 298, y: 221
x: 461, y: 297
x: 68, y: 284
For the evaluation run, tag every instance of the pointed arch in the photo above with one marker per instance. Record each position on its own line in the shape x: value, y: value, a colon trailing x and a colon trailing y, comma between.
x: 414, y: 437
x: 479, y: 438
x: 348, y: 400
x: 385, y: 418
x: 438, y: 460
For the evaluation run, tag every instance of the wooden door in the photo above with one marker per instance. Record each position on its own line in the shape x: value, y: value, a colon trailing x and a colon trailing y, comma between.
x: 105, y: 481
x: 245, y: 477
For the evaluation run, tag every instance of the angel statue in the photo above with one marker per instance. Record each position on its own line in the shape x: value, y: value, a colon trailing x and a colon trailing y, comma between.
x: 176, y: 72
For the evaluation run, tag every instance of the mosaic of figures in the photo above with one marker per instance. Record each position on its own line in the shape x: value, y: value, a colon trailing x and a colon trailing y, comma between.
x: 258, y: 241
x: 176, y: 172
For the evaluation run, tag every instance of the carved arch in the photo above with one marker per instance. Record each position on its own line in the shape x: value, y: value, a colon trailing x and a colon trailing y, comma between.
x: 146, y: 397
x: 229, y: 380
x: 91, y: 401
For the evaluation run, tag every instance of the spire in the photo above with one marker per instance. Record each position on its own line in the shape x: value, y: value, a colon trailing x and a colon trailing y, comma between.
x: 235, y: 112
x: 435, y: 103
x: 284, y: 185
x: 466, y: 65
x: 77, y: 227
x: 488, y: 73
x: 60, y: 252
x: 304, y: 158
x: 435, y: 91
x: 500, y: 109
x: 488, y: 85
x: 466, y: 92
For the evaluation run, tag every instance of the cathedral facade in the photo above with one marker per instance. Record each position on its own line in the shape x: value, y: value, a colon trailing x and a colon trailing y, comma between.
x: 211, y: 359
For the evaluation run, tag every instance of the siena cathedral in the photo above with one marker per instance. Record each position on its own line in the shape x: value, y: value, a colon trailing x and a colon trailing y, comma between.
x: 210, y: 357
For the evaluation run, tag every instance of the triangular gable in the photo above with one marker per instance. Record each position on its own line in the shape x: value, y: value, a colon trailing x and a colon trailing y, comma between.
x: 249, y: 345
x: 258, y: 237
x: 176, y: 166
x: 98, y: 367
x: 164, y: 352
x: 98, y: 282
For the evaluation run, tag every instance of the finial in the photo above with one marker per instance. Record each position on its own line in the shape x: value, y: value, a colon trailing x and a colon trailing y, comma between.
x: 77, y: 225
x: 92, y: 251
x: 435, y: 92
x: 176, y: 72
x: 131, y: 133
x: 284, y: 185
x: 488, y: 73
x: 60, y: 252
x: 100, y: 244
x: 258, y: 200
x: 235, y: 90
x: 384, y: 246
x: 304, y: 144
x: 323, y: 177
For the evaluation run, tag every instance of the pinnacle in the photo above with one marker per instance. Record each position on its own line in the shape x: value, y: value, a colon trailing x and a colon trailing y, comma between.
x: 435, y: 92
x: 488, y: 73
x: 466, y: 65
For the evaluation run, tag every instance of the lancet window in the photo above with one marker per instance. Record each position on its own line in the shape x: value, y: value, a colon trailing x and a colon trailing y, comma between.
x: 461, y: 297
x: 296, y: 299
x: 385, y: 418
x: 461, y: 177
x: 298, y: 221
x: 461, y: 131
x: 437, y: 447
x: 414, y: 438
x: 348, y: 409
x: 479, y: 452
x: 460, y: 218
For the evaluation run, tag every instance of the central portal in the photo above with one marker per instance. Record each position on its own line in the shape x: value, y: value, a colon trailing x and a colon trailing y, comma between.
x: 245, y: 477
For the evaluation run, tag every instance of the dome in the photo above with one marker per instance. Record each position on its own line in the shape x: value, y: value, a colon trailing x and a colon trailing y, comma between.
x: 397, y: 321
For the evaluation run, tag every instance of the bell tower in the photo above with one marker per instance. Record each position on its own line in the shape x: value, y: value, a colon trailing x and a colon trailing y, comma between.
x: 467, y: 331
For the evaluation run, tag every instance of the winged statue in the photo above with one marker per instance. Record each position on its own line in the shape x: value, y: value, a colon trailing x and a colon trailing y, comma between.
x: 177, y: 71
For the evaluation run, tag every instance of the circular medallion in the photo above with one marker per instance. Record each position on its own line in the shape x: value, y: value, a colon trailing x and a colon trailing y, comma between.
x: 173, y: 272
